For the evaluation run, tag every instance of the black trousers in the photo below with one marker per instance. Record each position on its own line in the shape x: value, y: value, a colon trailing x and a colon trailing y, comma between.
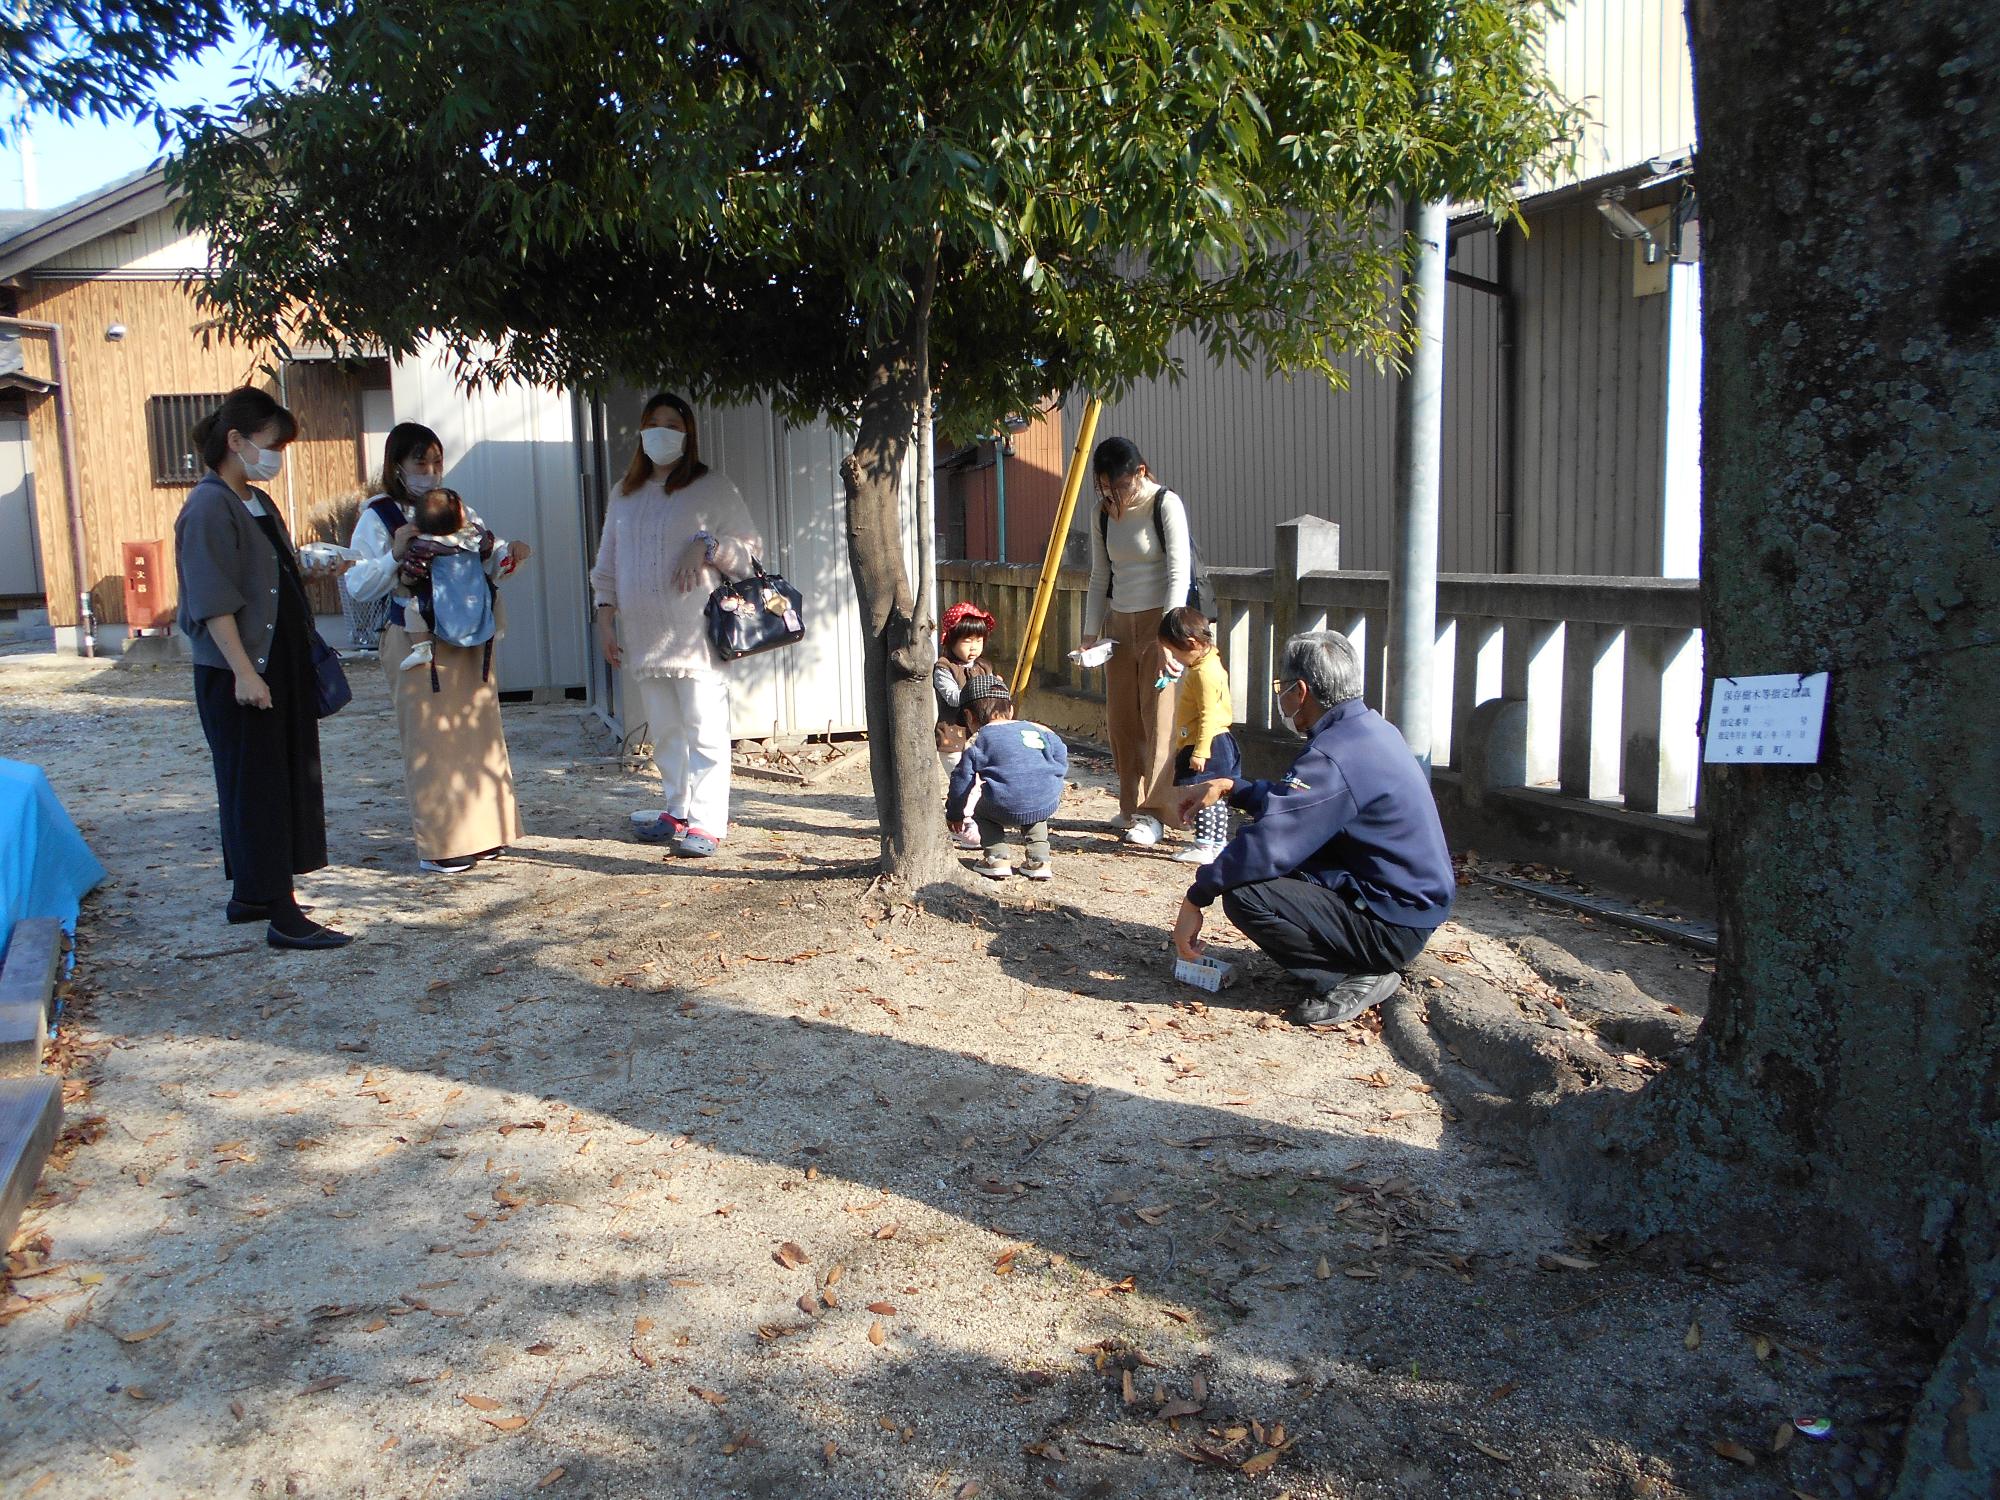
x: 1320, y: 936
x: 267, y: 776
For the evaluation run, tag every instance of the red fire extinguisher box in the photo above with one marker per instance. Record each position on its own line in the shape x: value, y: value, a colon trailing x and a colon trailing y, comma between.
x: 146, y: 604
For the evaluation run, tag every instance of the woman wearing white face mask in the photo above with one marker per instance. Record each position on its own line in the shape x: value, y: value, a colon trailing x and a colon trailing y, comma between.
x: 456, y: 772
x: 672, y: 533
x: 244, y: 612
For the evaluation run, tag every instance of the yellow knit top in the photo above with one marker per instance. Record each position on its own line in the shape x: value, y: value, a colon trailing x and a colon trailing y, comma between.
x: 1203, y: 710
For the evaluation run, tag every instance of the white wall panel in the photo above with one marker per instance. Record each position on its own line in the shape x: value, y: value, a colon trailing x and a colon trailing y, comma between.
x: 511, y: 453
x: 153, y: 244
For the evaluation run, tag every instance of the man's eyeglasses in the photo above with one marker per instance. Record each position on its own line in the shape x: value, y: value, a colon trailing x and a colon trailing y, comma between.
x: 1280, y: 687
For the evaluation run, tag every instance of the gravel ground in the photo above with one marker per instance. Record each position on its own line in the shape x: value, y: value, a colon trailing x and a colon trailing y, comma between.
x: 604, y: 1174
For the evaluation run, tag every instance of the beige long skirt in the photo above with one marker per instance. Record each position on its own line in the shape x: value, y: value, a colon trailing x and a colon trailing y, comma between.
x: 455, y: 767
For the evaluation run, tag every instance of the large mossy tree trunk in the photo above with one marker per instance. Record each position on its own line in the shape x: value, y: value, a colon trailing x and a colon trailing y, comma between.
x: 896, y: 640
x: 1846, y: 1087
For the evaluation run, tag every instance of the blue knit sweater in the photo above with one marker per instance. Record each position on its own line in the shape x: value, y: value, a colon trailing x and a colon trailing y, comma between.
x: 1020, y: 766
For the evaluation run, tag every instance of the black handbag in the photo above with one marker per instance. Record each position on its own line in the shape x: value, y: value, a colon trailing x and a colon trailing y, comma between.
x: 758, y: 613
x: 329, y: 680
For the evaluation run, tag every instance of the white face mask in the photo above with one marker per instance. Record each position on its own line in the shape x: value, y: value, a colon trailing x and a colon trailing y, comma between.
x: 420, y: 485
x: 260, y: 464
x: 663, y: 445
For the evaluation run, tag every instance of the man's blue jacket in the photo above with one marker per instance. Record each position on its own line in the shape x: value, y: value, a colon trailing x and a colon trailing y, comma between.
x: 1354, y: 814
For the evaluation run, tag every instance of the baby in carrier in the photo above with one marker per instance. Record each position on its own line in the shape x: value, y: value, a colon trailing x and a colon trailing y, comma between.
x: 442, y: 531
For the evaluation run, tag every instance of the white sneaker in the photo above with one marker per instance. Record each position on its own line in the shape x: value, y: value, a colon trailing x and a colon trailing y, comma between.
x: 1037, y: 869
x: 993, y: 867
x: 420, y: 656
x: 1146, y: 830
x: 1198, y: 854
x: 1123, y: 821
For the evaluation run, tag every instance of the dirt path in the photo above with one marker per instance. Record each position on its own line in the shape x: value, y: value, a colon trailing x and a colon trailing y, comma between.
x: 605, y: 1174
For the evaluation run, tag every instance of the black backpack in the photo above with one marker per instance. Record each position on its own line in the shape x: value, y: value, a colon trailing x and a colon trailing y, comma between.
x: 1201, y: 592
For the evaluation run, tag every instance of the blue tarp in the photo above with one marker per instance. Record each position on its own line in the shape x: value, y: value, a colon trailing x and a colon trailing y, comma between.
x: 45, y: 866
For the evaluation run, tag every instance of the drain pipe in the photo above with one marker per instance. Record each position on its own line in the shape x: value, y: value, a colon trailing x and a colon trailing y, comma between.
x: 66, y: 435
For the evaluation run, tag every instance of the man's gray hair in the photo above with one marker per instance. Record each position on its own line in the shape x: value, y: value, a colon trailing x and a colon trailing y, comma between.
x: 1326, y: 662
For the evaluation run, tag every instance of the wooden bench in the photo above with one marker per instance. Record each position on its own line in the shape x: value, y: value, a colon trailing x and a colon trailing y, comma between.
x: 27, y: 990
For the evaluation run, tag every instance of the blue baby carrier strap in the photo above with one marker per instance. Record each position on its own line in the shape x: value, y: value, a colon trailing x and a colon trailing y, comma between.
x: 390, y: 514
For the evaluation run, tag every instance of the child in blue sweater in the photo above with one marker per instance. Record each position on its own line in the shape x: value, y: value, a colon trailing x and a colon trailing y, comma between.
x: 1019, y: 768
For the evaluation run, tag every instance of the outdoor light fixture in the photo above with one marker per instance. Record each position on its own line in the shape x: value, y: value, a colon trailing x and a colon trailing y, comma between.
x: 114, y: 333
x: 1625, y: 224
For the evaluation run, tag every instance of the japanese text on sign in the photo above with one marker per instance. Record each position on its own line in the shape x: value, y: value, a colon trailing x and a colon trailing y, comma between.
x: 1767, y: 720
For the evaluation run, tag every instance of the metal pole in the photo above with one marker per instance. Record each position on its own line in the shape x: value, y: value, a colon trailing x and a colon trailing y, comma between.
x: 1045, y: 589
x: 1000, y: 491
x: 1419, y: 462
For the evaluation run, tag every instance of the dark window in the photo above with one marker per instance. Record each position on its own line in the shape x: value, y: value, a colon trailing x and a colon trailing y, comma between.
x: 169, y: 435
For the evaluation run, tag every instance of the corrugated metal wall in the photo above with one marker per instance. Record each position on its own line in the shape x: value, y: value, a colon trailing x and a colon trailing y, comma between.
x: 510, y: 451
x: 1626, y: 63
x: 1248, y: 451
x: 1593, y: 402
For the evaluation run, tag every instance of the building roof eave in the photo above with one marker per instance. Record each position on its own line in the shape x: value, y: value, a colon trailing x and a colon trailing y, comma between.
x: 126, y: 201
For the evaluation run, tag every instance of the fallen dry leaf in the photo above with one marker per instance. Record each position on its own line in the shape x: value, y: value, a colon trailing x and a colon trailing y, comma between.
x: 506, y: 1424
x: 1004, y: 1266
x: 1125, y: 1387
x: 713, y: 1398
x: 375, y: 1325
x: 887, y: 1231
x: 1258, y: 1463
x: 967, y: 1490
x: 875, y: 1334
x: 640, y: 1328
x: 1736, y: 1453
x: 551, y: 1477
x: 324, y: 1383
x: 482, y: 1403
x: 145, y: 1333
x: 1178, y: 1408
x: 1322, y: 1270
x: 886, y: 1309
x: 790, y: 1256
x: 1550, y: 1261
x: 1693, y: 1338
x: 541, y: 1348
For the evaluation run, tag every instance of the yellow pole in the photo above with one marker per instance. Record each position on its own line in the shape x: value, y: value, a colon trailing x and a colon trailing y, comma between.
x: 1045, y: 590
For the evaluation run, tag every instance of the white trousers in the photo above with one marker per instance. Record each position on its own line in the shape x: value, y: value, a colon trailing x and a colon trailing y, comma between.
x: 688, y: 723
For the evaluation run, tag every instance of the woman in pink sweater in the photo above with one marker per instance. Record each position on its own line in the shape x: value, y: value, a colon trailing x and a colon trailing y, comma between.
x: 672, y: 533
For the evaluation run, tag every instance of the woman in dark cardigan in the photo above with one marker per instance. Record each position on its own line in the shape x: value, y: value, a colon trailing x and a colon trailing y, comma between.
x: 243, y: 609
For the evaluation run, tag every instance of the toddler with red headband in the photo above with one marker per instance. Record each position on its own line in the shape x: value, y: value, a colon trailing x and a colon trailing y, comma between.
x: 961, y: 643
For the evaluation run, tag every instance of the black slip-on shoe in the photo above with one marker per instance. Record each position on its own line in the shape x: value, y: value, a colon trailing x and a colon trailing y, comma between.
x: 1346, y: 1000
x: 319, y: 937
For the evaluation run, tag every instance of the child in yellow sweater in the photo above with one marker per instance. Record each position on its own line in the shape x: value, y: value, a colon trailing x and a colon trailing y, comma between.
x: 1204, y: 749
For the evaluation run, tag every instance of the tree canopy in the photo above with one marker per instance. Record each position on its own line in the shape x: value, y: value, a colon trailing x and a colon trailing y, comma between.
x: 744, y: 199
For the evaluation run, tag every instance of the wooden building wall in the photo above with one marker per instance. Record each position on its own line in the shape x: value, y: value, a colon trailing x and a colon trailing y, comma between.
x: 1034, y: 492
x: 162, y: 354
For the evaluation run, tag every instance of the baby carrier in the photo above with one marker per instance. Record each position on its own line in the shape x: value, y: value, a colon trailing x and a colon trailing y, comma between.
x: 461, y: 597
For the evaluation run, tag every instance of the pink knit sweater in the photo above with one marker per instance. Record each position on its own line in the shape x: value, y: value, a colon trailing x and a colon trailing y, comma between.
x: 660, y: 628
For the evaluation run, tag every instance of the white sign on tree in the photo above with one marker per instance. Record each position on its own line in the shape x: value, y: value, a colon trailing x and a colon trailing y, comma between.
x: 1766, y: 720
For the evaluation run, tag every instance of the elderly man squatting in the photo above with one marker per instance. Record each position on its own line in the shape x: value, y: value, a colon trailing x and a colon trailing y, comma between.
x: 1343, y: 873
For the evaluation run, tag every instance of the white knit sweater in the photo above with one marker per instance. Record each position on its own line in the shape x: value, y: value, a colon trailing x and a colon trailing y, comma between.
x: 1129, y: 571
x: 661, y: 629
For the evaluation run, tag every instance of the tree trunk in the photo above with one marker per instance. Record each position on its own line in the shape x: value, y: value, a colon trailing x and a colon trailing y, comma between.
x: 1848, y: 1077
x: 896, y: 644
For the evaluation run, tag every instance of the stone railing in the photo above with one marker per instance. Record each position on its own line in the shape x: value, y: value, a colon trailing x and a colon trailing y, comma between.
x: 1588, y: 689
